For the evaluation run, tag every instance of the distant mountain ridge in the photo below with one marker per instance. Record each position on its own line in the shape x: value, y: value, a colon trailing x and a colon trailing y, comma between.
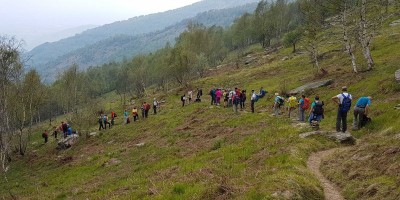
x: 49, y: 55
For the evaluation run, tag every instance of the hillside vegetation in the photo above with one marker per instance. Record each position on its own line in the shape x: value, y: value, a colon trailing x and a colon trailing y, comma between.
x: 207, y: 152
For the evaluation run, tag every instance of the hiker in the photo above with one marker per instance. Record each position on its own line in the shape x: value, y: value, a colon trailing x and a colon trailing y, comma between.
x: 69, y: 130
x: 146, y: 109
x: 106, y: 122
x: 113, y: 116
x: 126, y: 116
x: 361, y: 112
x: 212, y: 94
x: 135, y: 114
x: 55, y: 132
x: 100, y: 120
x: 45, y: 136
x: 155, y: 105
x: 279, y: 102
x: 242, y: 99
x: 263, y: 92
x: 143, y: 109
x: 190, y: 96
x: 236, y: 102
x: 199, y: 94
x: 252, y: 100
x: 218, y: 95
x: 292, y: 101
x: 344, y: 101
x: 225, y: 96
x: 183, y: 99
x: 230, y: 97
x: 317, y: 111
x: 304, y: 104
x: 64, y: 128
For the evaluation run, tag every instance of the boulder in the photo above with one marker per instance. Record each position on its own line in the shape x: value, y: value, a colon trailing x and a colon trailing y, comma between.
x: 395, y: 23
x: 93, y: 134
x: 305, y: 135
x: 312, y: 85
x: 66, y: 143
x: 343, y: 138
x: 397, y: 76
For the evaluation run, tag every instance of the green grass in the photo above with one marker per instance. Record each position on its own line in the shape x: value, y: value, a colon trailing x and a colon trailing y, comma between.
x: 207, y: 152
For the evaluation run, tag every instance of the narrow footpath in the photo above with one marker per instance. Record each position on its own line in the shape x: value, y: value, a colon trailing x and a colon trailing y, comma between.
x: 331, y: 192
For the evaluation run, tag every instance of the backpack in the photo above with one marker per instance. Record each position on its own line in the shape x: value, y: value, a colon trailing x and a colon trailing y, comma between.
x: 281, y: 101
x: 306, y: 104
x: 318, y: 108
x: 346, y: 104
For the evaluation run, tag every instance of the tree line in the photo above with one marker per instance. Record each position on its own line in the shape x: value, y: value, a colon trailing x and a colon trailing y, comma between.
x: 25, y: 100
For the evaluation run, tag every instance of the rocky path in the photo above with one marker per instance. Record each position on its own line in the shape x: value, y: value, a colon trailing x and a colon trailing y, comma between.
x: 314, y: 162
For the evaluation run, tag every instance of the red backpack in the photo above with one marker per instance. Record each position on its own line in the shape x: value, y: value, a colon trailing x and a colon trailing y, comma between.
x: 306, y: 104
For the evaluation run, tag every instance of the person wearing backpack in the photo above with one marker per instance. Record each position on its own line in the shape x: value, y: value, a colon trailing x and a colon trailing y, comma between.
x: 126, y: 116
x: 45, y: 136
x: 304, y: 104
x: 242, y: 99
x: 317, y: 110
x: 292, y: 101
x: 146, y: 109
x: 183, y: 99
x: 236, y: 102
x: 135, y: 114
x: 100, y: 120
x: 279, y: 102
x: 212, y: 94
x: 344, y: 104
x: 113, y: 116
x: 361, y: 112
x: 155, y: 105
x: 252, y: 100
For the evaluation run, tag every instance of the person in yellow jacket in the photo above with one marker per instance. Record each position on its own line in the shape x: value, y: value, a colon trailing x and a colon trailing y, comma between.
x: 292, y: 101
x: 135, y: 113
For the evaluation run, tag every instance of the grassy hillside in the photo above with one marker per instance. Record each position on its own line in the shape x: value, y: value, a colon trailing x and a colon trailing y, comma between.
x: 207, y: 152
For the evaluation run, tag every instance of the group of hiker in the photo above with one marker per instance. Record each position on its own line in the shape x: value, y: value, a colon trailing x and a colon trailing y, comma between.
x: 234, y: 98
x: 316, y: 109
x: 189, y: 98
x: 64, y: 128
x: 103, y: 120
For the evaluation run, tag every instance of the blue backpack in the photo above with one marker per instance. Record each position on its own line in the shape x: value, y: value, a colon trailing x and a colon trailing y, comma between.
x: 346, y: 104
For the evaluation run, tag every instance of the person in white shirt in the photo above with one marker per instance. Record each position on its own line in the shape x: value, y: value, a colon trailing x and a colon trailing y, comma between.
x: 190, y: 96
x: 155, y: 105
x: 344, y: 101
x: 253, y: 100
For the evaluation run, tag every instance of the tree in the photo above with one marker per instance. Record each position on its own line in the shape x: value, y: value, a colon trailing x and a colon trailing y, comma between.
x: 292, y: 38
x: 10, y: 70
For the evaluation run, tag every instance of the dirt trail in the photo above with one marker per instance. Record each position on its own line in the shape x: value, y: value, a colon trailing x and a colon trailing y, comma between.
x: 314, y: 162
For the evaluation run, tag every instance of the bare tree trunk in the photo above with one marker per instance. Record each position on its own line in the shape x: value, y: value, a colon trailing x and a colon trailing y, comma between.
x: 346, y: 40
x: 365, y: 39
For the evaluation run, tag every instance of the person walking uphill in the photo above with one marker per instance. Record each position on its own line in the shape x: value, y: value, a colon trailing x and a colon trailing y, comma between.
x: 155, y: 105
x: 344, y: 101
x: 183, y: 99
x: 279, y: 102
x: 361, y: 111
x: 213, y: 98
x: 292, y: 104
x: 304, y: 104
x: 252, y: 100
x: 100, y: 120
x: 45, y: 136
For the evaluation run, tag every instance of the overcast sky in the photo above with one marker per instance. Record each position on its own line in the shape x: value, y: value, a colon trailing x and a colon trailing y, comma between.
x: 32, y: 20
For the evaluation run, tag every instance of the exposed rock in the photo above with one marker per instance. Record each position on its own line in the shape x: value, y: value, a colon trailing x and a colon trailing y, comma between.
x: 312, y: 85
x: 395, y: 23
x: 66, y: 143
x: 112, y: 161
x: 305, y: 135
x: 250, y: 60
x: 397, y: 75
x: 344, y: 138
x: 285, y: 58
x: 93, y: 134
x: 140, y: 144
x: 397, y: 136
